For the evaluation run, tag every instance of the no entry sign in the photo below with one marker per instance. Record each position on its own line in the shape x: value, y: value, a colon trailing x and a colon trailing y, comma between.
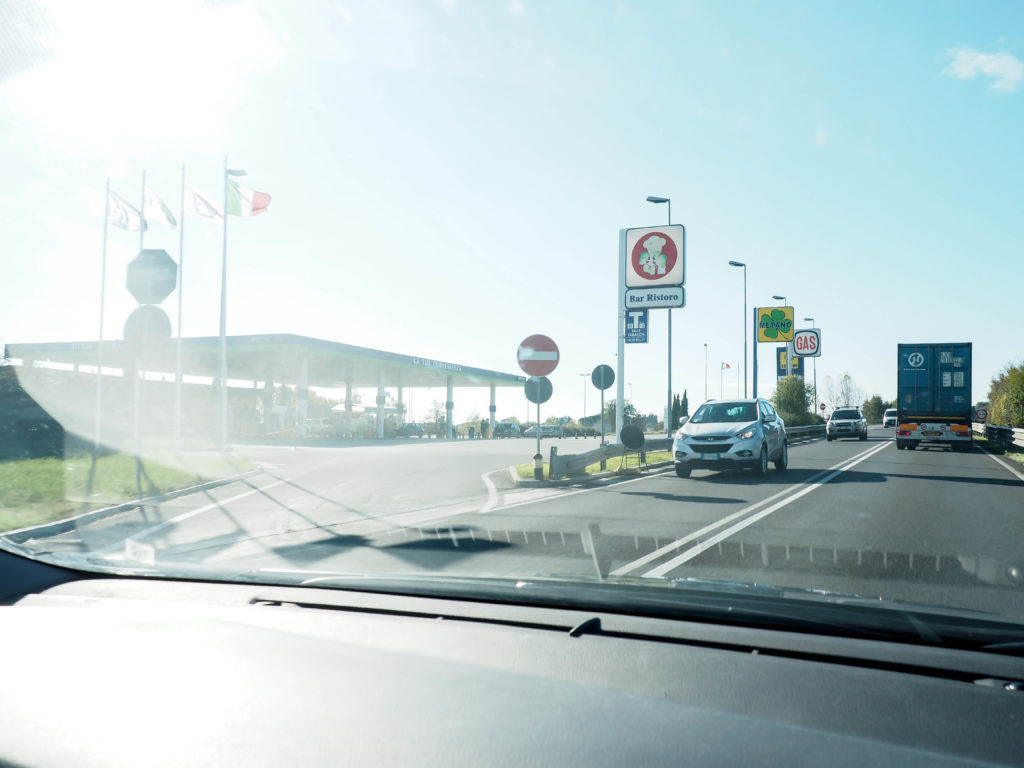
x: 538, y: 355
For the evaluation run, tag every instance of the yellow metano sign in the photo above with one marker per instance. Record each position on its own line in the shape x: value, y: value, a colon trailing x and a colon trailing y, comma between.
x: 775, y: 324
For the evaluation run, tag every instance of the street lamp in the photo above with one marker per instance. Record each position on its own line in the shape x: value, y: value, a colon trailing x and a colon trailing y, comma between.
x: 736, y: 264
x: 705, y: 371
x: 668, y: 410
x: 814, y: 362
x: 789, y: 346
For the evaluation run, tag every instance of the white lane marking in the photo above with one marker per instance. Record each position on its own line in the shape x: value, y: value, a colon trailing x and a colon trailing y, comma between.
x: 199, y: 510
x: 1004, y: 465
x: 492, y: 492
x: 556, y: 495
x: 642, y: 561
x: 221, y: 503
x: 691, y: 553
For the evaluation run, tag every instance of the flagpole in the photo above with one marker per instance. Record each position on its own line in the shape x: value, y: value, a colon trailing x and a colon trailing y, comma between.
x: 99, y: 343
x: 721, y: 376
x: 137, y: 362
x: 223, y: 321
x: 181, y: 277
x: 142, y: 208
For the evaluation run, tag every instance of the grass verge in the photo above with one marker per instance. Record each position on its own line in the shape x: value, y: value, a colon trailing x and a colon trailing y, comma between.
x: 1011, y: 452
x: 525, y: 471
x: 44, y: 490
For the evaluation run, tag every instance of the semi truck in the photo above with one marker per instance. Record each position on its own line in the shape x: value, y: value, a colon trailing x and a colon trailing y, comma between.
x: 933, y: 396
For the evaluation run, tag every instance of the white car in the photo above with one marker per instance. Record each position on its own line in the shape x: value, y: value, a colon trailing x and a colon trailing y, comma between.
x: 729, y: 434
x: 889, y: 418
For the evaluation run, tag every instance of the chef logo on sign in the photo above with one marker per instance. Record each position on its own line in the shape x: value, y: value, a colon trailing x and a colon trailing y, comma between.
x: 654, y: 256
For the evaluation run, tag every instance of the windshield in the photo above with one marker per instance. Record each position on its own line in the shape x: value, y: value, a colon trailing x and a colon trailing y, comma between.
x: 300, y: 292
x: 846, y: 414
x: 725, y: 412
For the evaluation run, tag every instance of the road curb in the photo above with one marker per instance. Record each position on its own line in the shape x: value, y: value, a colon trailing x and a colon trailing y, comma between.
x: 582, y: 480
x: 58, y: 527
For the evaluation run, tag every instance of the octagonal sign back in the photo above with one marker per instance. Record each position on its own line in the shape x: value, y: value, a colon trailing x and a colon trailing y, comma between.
x: 152, y: 275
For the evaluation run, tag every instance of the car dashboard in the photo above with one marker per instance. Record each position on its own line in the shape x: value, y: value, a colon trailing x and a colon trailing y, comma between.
x: 128, y: 671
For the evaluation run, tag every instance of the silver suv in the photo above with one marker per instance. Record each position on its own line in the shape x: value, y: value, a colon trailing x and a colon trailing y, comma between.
x: 729, y: 434
x: 846, y: 422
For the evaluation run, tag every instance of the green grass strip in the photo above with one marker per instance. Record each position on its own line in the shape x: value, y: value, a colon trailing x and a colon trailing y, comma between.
x: 525, y: 471
x: 43, y: 490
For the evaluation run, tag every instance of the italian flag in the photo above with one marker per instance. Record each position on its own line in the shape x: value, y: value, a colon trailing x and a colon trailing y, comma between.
x: 726, y: 366
x: 242, y: 201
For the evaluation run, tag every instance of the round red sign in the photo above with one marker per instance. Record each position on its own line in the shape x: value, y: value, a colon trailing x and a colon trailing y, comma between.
x: 538, y: 355
x: 654, y: 256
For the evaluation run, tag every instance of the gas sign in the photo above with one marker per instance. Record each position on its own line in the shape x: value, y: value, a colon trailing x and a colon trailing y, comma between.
x: 807, y: 343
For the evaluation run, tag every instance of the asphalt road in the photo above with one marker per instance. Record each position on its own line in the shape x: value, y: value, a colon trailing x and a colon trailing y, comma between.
x: 850, y: 516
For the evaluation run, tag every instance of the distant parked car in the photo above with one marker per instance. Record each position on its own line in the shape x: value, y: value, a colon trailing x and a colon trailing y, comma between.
x: 552, y: 430
x: 506, y: 429
x: 411, y: 429
x: 316, y: 427
x: 889, y: 418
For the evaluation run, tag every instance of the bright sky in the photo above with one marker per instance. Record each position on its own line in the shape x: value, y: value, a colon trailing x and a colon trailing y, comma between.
x: 450, y: 177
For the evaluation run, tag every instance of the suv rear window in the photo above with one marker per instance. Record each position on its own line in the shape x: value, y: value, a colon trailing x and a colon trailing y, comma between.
x: 848, y: 413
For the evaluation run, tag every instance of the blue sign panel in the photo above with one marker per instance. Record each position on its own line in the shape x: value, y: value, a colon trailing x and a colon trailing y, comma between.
x: 780, y: 363
x: 636, y: 326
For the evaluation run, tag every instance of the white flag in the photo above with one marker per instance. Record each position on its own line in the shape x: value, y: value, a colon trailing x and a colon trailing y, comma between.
x: 155, y: 210
x: 200, y: 206
x: 124, y: 215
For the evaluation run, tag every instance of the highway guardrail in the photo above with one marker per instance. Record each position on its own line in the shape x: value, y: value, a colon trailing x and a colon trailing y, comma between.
x: 576, y: 463
x: 1003, y: 436
x: 796, y: 434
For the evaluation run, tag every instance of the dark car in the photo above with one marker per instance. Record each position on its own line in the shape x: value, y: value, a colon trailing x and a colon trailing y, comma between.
x: 507, y: 429
x: 409, y: 430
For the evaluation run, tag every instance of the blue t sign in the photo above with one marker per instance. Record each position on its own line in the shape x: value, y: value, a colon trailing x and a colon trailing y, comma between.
x: 636, y: 326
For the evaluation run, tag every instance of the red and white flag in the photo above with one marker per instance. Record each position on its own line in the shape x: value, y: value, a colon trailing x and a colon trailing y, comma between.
x: 242, y: 201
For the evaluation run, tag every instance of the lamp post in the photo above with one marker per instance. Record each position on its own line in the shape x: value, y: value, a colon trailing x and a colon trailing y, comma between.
x: 737, y: 264
x: 668, y: 409
x: 706, y: 370
x: 789, y: 345
x: 814, y: 362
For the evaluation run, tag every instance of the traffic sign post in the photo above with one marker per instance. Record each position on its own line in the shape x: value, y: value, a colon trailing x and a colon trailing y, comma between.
x: 603, y: 377
x: 538, y: 390
x: 152, y: 275
x: 538, y: 355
